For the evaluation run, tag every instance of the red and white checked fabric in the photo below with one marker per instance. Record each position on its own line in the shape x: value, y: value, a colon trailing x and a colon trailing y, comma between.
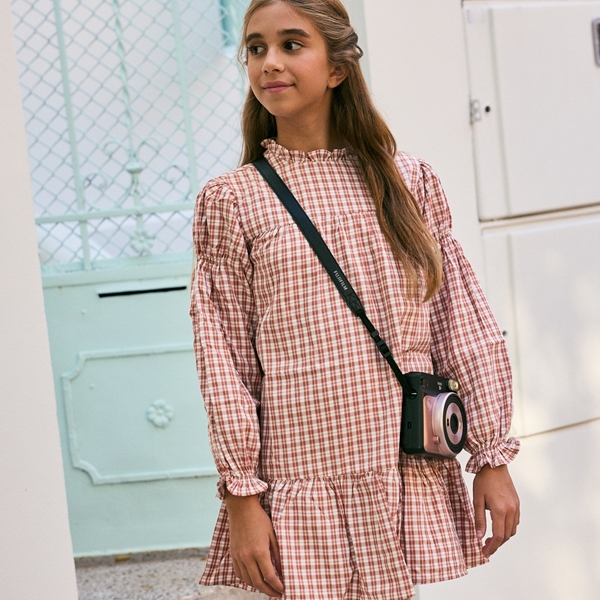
x: 354, y: 520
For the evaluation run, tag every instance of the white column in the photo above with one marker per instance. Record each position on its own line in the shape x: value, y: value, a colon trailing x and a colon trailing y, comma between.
x: 36, y: 558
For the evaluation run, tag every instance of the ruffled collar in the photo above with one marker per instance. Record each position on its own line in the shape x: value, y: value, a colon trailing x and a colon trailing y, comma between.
x: 272, y: 148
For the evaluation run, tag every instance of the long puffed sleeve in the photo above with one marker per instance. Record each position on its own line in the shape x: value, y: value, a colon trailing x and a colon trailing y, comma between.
x: 224, y: 321
x: 467, y: 344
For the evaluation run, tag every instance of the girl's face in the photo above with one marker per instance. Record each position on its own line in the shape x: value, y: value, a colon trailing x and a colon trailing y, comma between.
x: 288, y: 68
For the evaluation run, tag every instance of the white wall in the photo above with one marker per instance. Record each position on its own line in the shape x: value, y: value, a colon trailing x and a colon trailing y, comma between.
x: 556, y: 553
x: 35, y: 546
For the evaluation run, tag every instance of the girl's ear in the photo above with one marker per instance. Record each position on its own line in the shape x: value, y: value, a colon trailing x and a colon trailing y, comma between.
x: 337, y: 75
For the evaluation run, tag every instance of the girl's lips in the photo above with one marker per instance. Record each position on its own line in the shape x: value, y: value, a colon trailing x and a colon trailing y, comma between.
x: 275, y: 87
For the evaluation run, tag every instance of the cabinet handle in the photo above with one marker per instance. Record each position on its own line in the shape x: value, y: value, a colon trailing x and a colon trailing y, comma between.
x: 596, y: 32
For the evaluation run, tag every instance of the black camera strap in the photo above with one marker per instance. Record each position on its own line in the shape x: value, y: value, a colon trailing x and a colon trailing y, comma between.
x: 333, y: 269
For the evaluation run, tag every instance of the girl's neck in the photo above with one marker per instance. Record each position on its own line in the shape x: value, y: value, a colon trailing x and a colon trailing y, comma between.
x: 307, y: 136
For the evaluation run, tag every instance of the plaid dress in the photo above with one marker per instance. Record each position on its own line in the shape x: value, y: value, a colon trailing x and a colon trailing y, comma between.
x: 354, y: 520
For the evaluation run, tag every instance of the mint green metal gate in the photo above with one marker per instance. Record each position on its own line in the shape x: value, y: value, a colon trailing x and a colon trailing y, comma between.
x: 131, y: 105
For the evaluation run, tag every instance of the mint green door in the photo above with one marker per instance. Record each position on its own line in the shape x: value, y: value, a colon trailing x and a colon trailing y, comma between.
x: 131, y: 105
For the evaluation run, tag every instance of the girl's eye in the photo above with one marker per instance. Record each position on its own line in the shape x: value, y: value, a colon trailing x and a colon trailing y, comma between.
x: 293, y: 46
x: 255, y: 50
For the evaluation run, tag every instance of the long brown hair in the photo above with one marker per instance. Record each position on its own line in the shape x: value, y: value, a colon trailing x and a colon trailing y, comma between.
x: 355, y: 117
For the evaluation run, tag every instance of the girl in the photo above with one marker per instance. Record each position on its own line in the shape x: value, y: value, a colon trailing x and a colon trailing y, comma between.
x: 304, y: 414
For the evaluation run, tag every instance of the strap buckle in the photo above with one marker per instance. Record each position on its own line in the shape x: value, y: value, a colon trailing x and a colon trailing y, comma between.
x: 381, y: 345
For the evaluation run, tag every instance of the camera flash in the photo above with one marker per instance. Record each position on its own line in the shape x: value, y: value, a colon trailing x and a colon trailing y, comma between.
x: 453, y: 385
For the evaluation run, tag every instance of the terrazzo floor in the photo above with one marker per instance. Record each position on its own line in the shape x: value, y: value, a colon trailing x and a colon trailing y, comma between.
x: 150, y: 576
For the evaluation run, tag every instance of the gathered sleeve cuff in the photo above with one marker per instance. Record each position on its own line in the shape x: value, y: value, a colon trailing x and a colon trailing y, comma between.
x: 502, y: 454
x: 240, y: 485
x: 466, y: 343
x: 224, y: 319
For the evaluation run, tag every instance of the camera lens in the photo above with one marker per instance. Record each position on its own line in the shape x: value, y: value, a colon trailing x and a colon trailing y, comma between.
x: 454, y: 423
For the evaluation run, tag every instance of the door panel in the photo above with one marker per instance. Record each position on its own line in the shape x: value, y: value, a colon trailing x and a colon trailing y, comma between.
x: 139, y: 471
x: 147, y: 399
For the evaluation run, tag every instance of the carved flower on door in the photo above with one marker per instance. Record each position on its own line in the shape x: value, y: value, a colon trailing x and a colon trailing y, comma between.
x: 160, y: 413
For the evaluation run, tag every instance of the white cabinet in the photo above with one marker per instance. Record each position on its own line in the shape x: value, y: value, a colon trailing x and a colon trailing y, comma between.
x: 535, y: 109
x: 535, y: 91
x: 544, y: 286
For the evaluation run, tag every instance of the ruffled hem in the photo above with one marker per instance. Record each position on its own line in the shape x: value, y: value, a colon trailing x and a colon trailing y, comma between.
x: 502, y: 454
x: 246, y: 485
x: 375, y: 532
x: 278, y: 151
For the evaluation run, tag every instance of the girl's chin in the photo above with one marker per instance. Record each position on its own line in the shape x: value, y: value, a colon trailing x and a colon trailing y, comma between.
x: 278, y: 113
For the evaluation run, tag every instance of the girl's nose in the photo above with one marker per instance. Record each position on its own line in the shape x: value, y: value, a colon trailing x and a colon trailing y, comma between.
x: 272, y: 62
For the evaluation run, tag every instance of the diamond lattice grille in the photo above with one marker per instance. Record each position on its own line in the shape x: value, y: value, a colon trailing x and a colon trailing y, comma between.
x: 130, y: 106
